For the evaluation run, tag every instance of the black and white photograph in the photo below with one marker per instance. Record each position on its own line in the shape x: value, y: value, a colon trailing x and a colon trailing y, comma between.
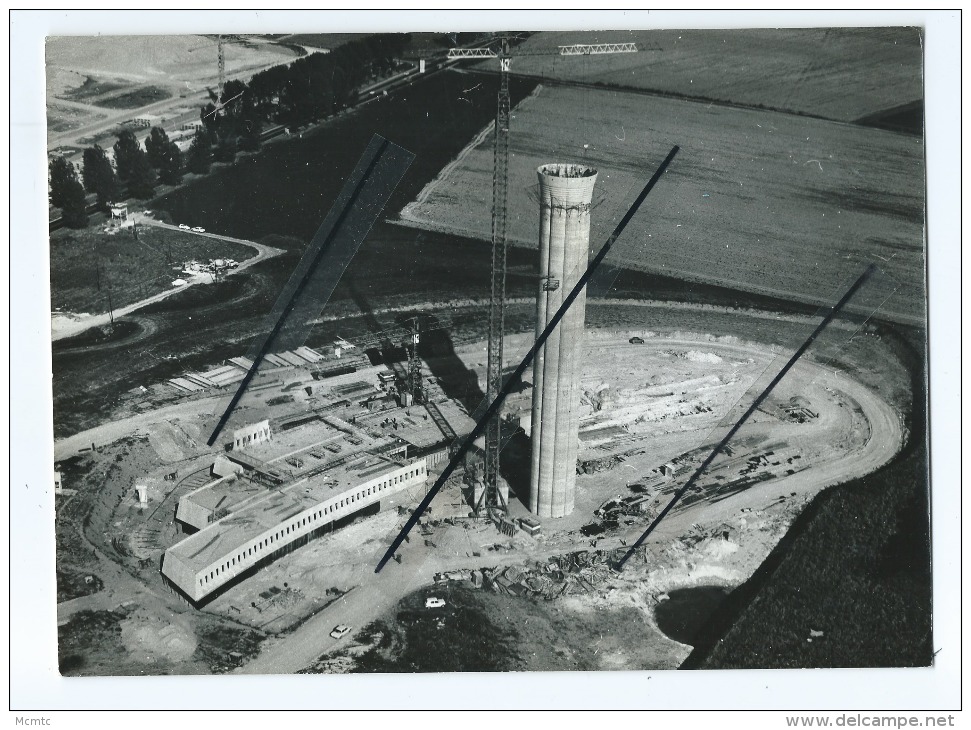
x: 490, y: 350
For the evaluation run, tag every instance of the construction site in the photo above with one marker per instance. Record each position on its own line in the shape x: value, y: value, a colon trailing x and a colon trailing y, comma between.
x: 328, y: 454
x: 363, y: 492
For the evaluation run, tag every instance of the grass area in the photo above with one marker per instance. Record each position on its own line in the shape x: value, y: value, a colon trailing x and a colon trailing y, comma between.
x: 72, y: 511
x: 479, y: 630
x: 223, y: 648
x: 855, y: 565
x: 93, y: 644
x: 85, y: 643
x: 468, y: 639
x: 89, y: 264
x: 825, y: 72
x: 62, y: 118
x: 73, y: 584
x: 140, y: 97
x: 785, y: 205
x: 106, y: 138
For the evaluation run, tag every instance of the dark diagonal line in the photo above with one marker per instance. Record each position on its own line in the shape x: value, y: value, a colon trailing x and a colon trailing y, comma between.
x: 513, y: 380
x: 751, y: 409
x: 322, y: 248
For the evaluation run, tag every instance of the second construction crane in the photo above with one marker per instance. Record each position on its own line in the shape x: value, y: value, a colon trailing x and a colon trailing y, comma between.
x: 221, y: 42
x: 493, y: 499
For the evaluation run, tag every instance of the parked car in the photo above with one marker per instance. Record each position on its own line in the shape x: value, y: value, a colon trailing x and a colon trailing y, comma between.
x: 637, y: 340
x: 199, y: 229
x: 340, y: 631
x: 434, y: 602
x: 184, y: 227
x: 147, y: 212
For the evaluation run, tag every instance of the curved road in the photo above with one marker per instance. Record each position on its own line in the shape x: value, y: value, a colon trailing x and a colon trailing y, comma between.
x: 74, y: 327
x: 377, y: 594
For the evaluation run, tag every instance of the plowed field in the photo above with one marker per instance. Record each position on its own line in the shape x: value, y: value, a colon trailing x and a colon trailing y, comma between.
x: 763, y: 201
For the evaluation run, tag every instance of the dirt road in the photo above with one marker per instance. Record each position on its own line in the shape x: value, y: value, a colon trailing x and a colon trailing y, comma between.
x: 110, y: 432
x: 378, y: 594
x: 63, y: 326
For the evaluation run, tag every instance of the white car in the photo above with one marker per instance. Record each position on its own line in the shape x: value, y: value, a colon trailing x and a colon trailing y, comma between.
x: 184, y: 227
x: 340, y: 631
x: 434, y: 602
x: 198, y: 229
x: 147, y: 212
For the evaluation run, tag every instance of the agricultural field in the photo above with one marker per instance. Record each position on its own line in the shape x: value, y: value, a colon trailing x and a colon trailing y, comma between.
x: 96, y: 82
x: 62, y: 118
x: 835, y: 73
x: 328, y: 41
x: 762, y: 201
x: 421, y: 45
x: 142, y: 96
x: 167, y: 60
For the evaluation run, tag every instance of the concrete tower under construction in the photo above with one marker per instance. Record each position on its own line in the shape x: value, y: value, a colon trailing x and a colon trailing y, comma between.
x: 565, y: 195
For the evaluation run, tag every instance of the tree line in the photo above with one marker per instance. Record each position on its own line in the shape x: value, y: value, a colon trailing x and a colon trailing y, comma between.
x: 303, y: 92
x: 135, y: 174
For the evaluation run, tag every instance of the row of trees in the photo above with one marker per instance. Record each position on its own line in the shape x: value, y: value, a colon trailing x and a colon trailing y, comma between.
x: 136, y: 170
x: 67, y: 193
x: 303, y: 92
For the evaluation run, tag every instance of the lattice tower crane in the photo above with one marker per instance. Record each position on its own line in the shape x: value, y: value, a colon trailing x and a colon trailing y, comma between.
x: 221, y: 42
x: 491, y: 502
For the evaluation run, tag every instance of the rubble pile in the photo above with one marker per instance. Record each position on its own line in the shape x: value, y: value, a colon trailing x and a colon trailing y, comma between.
x: 576, y: 573
x: 278, y: 598
x: 592, y: 466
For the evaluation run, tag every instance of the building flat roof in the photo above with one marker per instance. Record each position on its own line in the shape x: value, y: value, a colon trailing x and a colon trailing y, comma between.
x: 277, y: 505
x: 319, y: 447
x: 225, y: 493
x: 415, y: 425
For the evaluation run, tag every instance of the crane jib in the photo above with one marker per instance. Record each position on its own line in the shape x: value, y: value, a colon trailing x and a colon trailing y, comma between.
x: 492, y: 499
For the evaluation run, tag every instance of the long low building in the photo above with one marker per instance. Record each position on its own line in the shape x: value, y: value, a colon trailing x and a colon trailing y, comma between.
x: 259, y: 530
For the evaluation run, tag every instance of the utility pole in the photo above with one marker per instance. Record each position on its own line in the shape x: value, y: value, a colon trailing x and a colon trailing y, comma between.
x: 111, y: 313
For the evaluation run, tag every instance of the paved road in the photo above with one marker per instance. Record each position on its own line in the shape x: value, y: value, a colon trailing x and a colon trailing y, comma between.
x: 67, y: 328
x: 377, y: 594
x: 110, y: 118
x: 290, y: 654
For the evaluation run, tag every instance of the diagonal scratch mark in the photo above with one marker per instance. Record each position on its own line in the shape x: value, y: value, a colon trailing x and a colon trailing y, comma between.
x: 513, y: 379
x: 751, y: 409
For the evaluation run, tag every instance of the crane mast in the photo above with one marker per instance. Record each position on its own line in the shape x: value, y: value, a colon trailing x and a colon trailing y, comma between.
x: 221, y: 64
x: 492, y: 498
x: 221, y: 42
x: 492, y: 501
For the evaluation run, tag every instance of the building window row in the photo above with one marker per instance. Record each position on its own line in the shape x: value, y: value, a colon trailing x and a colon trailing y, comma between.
x: 306, y: 521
